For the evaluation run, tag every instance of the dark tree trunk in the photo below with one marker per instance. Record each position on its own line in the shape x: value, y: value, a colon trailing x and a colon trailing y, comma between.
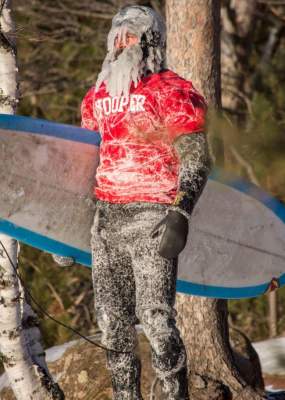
x: 238, y: 23
x: 194, y: 53
x: 193, y: 44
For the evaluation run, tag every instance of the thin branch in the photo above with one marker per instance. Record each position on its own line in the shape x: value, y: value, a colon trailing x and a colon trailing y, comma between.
x: 152, y: 390
x: 277, y: 14
x: 79, y: 298
x: 75, y: 320
x: 86, y: 14
x: 2, y: 6
x: 31, y: 264
x: 56, y: 296
x: 274, y: 2
x: 155, y: 6
x: 271, y: 44
x: 244, y: 163
x: 87, y: 314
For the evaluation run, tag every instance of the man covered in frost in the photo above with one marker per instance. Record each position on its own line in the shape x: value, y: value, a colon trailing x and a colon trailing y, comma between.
x: 154, y: 164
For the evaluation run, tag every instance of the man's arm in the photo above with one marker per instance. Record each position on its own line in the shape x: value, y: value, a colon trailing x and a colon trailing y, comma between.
x: 88, y: 118
x: 194, y: 167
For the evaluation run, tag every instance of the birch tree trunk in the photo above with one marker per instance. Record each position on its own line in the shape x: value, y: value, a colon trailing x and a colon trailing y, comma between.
x: 20, y: 345
x: 194, y: 53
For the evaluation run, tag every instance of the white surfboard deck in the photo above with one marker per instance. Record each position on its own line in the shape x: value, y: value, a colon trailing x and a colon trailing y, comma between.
x: 236, y: 243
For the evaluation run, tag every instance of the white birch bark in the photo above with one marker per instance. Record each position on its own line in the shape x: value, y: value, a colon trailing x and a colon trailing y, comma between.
x: 20, y: 344
x: 23, y: 376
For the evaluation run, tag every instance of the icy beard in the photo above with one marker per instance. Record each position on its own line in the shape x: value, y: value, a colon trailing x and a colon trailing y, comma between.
x: 121, y: 69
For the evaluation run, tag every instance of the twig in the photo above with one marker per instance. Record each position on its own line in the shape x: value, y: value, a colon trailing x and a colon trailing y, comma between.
x: 78, y: 13
x: 87, y: 314
x: 155, y: 6
x: 31, y: 264
x: 246, y: 165
x: 56, y: 295
x: 152, y: 390
x: 274, y: 2
x: 271, y: 44
x: 75, y: 319
x: 79, y: 299
x: 2, y: 6
x: 276, y: 14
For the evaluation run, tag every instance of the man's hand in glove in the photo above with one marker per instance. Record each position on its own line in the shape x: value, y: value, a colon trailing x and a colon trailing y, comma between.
x: 175, y: 230
x: 63, y: 261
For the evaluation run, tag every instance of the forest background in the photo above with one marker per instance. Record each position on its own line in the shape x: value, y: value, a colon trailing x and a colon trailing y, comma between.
x: 61, y: 45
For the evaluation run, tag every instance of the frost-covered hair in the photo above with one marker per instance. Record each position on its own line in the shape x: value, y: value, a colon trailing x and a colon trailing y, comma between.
x: 148, y: 56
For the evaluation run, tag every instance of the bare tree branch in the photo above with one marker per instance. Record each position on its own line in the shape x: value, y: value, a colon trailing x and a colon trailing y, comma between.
x: 56, y: 296
x: 245, y: 164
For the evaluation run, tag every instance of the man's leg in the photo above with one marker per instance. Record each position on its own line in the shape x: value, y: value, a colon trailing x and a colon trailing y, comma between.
x: 114, y: 289
x: 155, y: 295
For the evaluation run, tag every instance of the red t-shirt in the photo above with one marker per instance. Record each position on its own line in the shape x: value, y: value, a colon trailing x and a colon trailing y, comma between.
x: 138, y: 161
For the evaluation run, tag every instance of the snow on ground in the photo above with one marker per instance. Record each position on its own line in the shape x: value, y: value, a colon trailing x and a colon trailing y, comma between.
x: 272, y: 355
x: 52, y: 355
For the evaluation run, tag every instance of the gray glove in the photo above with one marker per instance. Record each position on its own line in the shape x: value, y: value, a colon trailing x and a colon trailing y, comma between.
x: 63, y: 261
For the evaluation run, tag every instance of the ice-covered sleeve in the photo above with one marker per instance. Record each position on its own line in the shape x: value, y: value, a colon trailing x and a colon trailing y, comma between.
x: 194, y: 167
x: 183, y: 110
x: 88, y: 118
x: 185, y: 114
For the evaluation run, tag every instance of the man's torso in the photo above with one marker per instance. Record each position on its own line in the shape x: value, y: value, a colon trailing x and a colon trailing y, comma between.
x: 137, y: 158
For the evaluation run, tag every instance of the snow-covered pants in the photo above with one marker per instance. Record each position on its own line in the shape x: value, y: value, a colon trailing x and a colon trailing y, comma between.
x: 132, y: 283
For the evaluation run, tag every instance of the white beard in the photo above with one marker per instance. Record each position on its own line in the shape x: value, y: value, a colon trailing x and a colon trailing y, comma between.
x: 119, y: 73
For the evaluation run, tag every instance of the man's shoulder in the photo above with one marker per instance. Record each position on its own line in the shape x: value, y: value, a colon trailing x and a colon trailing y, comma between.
x: 167, y: 79
x: 169, y: 75
x: 89, y: 94
x: 93, y: 93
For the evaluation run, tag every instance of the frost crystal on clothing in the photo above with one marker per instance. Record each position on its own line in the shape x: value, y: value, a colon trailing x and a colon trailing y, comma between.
x: 146, y: 115
x: 137, y: 159
x: 195, y: 166
x: 119, y: 72
x: 133, y: 282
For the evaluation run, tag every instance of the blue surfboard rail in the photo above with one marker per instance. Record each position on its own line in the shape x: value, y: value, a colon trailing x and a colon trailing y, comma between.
x: 84, y: 258
x: 69, y: 132
x: 42, y: 127
x: 44, y: 243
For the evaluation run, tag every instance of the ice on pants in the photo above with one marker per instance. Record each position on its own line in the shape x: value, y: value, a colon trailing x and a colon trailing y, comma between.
x: 132, y: 283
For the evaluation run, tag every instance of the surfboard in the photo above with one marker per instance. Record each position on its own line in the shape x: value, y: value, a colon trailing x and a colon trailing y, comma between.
x: 236, y: 242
